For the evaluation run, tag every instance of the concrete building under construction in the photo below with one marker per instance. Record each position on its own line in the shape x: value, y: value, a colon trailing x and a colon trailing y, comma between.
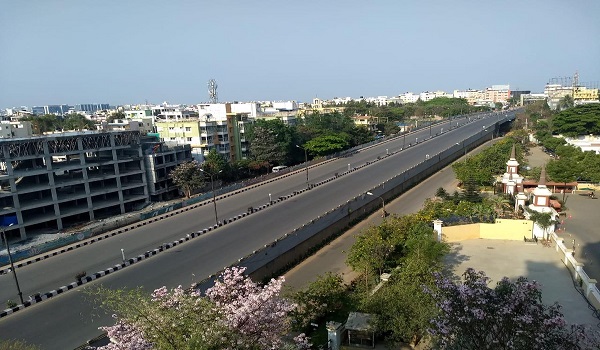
x: 48, y: 183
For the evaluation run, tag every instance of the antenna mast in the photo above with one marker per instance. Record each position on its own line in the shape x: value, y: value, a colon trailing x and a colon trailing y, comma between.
x: 212, y: 91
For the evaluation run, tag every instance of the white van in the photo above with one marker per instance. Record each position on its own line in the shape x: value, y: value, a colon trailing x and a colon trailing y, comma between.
x: 278, y: 168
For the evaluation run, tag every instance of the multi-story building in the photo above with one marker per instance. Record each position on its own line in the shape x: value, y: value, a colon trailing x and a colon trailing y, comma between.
x: 430, y: 95
x: 57, y: 109
x: 10, y: 129
x: 52, y: 182
x: 285, y: 111
x: 215, y: 127
x: 583, y: 95
x: 161, y: 158
x: 367, y: 121
x: 91, y: 107
x: 252, y: 109
x: 408, y: 97
x: 472, y: 96
x: 498, y: 93
x: 515, y: 95
x: 531, y: 98
x: 318, y: 106
x: 144, y: 125
x: 38, y: 110
x: 166, y: 111
x: 556, y: 92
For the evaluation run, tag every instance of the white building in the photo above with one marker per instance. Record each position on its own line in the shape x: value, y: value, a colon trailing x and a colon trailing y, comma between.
x: 408, y: 97
x: 430, y: 95
x: 341, y: 100
x: 585, y: 143
x: 472, y: 96
x: 286, y: 106
x: 10, y: 129
x: 170, y: 112
x: 512, y: 181
x: 251, y: 109
x: 541, y: 204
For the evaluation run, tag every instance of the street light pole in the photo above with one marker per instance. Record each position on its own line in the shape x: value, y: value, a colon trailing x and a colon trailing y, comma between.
x: 12, y: 266
x: 382, y: 203
x: 305, y: 162
x: 212, y: 187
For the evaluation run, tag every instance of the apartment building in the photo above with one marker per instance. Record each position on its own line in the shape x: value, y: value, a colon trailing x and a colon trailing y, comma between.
x: 472, y: 96
x: 215, y: 127
x: 49, y: 183
x: 497, y: 93
x: 409, y: 97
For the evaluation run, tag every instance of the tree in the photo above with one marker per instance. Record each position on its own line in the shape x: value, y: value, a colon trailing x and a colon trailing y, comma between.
x: 256, y: 313
x: 552, y: 143
x: 403, y: 310
x: 389, y: 128
x: 214, y: 162
x: 327, y: 144
x: 44, y: 123
x: 482, y: 167
x: 543, y: 220
x: 267, y: 142
x: 565, y: 103
x: 509, y: 316
x: 580, y: 120
x: 77, y: 122
x: 235, y: 313
x: 471, y: 192
x: 324, y: 296
x: 563, y: 170
x: 188, y: 177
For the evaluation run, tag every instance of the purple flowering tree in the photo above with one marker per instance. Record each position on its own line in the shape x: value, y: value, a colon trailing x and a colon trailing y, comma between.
x: 510, y: 316
x: 234, y: 314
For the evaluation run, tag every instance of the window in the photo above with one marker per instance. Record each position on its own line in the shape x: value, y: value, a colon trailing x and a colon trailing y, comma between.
x: 171, y: 128
x: 172, y: 139
x: 188, y: 128
x: 189, y: 139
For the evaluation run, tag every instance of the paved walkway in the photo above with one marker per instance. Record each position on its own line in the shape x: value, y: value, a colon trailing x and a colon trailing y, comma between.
x: 500, y: 258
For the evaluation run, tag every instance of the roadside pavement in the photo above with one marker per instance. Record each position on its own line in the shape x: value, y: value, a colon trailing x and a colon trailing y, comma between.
x: 579, y: 228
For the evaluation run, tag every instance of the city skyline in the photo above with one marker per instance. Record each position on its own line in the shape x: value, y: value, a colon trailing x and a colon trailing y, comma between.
x: 73, y: 52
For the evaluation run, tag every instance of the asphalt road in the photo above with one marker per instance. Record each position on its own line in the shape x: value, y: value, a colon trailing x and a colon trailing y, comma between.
x: 68, y: 320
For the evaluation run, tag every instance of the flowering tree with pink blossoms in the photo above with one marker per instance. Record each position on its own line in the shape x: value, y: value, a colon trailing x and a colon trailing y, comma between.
x: 255, y: 312
x: 509, y: 316
x: 235, y: 313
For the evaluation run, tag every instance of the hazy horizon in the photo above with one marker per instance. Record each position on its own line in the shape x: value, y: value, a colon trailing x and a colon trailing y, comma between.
x: 116, y: 52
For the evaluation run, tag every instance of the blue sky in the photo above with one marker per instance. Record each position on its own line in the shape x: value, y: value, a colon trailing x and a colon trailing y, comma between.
x: 130, y: 51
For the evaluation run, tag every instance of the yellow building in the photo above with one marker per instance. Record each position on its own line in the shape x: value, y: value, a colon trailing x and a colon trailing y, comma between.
x: 206, y: 132
x: 584, y: 94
